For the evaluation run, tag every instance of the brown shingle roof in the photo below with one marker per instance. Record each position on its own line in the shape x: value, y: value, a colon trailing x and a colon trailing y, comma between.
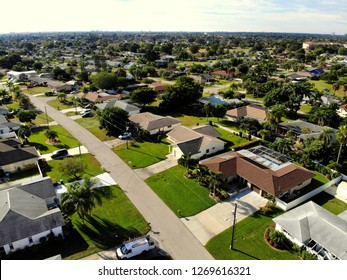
x: 250, y: 111
x: 273, y: 182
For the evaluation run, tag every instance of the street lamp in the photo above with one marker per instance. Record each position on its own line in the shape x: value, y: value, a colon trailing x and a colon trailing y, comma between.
x: 233, y: 232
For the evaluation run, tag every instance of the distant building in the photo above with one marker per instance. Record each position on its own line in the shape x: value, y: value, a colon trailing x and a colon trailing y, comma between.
x: 312, y: 45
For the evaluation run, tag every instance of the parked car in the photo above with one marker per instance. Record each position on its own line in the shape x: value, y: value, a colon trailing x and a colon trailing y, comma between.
x: 60, y: 154
x: 50, y: 93
x: 86, y: 113
x: 135, y: 247
x: 125, y: 135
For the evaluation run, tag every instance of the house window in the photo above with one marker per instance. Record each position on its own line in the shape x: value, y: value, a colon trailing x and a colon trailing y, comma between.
x: 207, y: 151
x: 11, y: 246
x: 169, y: 126
x: 30, y: 239
x: 213, y: 148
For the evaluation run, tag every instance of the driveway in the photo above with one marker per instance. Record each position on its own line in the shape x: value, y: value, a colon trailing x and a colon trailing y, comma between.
x: 72, y: 151
x: 219, y: 217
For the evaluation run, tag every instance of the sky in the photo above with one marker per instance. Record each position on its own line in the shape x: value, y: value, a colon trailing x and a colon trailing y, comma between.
x: 299, y: 16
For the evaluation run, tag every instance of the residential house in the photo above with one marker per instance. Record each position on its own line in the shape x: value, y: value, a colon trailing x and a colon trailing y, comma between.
x: 319, y: 231
x: 249, y: 111
x: 97, y: 97
x: 304, y: 130
x: 200, y: 141
x: 222, y: 74
x: 3, y: 111
x: 158, y: 87
x: 16, y: 76
x: 123, y: 104
x: 202, y: 79
x: 154, y: 123
x: 28, y: 216
x: 263, y: 170
x: 14, y: 157
x: 8, y: 128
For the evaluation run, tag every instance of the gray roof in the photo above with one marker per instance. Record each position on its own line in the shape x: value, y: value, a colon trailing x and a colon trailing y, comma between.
x: 149, y: 121
x: 10, y: 154
x: 191, y: 146
x: 23, y: 214
x: 120, y: 104
x: 298, y: 125
x: 43, y: 188
x: 310, y: 221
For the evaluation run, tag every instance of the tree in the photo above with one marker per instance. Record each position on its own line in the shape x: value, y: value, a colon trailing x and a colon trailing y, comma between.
x: 282, y: 145
x: 214, y: 181
x: 277, y: 237
x: 71, y: 167
x: 81, y: 198
x: 62, y: 97
x: 219, y: 111
x: 143, y: 96
x: 24, y: 132
x: 114, y: 120
x: 182, y: 94
x: 341, y: 137
x: 24, y: 102
x: 185, y: 160
x: 326, y: 136
x: 26, y: 116
x: 274, y: 115
x: 51, y: 135
x: 325, y: 115
x: 250, y: 125
x: 105, y: 80
x: 208, y: 109
x: 264, y: 134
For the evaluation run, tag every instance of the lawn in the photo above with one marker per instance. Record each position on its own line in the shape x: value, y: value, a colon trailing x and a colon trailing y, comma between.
x: 230, y: 138
x: 306, y: 108
x: 92, y: 125
x: 91, y: 168
x: 36, y: 90
x: 249, y: 242
x: 180, y: 193
x: 330, y: 203
x: 142, y: 154
x: 38, y: 139
x: 116, y: 215
x: 55, y: 103
x: 320, y: 85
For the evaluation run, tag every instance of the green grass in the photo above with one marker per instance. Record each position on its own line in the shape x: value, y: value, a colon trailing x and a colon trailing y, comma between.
x: 36, y: 90
x: 330, y: 203
x: 143, y: 154
x: 320, y: 85
x: 38, y: 139
x: 249, y: 242
x: 116, y: 215
x: 230, y: 138
x: 55, y: 103
x: 91, y: 168
x: 92, y: 125
x: 180, y: 193
x: 306, y: 108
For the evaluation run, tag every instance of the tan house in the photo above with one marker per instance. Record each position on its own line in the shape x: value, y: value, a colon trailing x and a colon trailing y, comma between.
x: 154, y: 123
x: 262, y: 169
x: 15, y: 158
x: 96, y: 97
x: 249, y: 111
x: 200, y: 142
x: 158, y: 87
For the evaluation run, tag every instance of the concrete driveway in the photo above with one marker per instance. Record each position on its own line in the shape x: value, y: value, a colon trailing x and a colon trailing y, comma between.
x: 72, y: 151
x: 219, y: 217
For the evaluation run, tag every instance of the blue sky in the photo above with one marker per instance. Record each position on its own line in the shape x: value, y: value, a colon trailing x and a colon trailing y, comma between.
x: 175, y: 15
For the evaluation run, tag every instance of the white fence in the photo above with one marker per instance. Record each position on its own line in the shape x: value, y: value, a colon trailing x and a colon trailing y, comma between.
x: 301, y: 199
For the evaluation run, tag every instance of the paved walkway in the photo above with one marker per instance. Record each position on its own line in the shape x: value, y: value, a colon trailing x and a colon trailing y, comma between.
x: 219, y: 217
x: 148, y: 171
x: 177, y: 239
x: 333, y: 191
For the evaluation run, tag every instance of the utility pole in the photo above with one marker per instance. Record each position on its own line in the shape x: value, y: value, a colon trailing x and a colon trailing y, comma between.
x: 233, y: 233
x: 79, y: 149
x: 47, y: 118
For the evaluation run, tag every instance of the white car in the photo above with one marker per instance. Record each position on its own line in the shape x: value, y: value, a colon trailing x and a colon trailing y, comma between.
x: 86, y: 113
x: 126, y: 135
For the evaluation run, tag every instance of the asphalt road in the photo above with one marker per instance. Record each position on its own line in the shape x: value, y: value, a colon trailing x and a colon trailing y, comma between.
x: 175, y: 237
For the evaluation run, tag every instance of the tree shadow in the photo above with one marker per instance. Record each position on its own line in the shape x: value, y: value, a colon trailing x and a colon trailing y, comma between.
x: 105, y: 234
x: 40, y: 147
x: 246, y: 254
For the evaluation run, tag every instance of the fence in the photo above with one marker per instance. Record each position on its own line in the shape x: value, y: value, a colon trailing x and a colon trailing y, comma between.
x: 286, y: 206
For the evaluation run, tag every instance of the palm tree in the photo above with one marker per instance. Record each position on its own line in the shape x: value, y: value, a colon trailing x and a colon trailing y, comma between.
x: 341, y: 137
x: 10, y: 85
x: 62, y: 97
x: 275, y: 114
x: 81, y: 198
x: 283, y: 145
x: 326, y: 136
x: 214, y: 181
x: 51, y: 135
x: 336, y: 87
x: 24, y: 132
x: 185, y: 160
x: 264, y: 133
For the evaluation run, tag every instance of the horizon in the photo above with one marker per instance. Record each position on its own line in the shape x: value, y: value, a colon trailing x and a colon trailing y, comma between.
x: 243, y: 16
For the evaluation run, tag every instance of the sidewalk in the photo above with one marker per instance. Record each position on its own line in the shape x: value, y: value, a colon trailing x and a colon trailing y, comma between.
x: 72, y: 151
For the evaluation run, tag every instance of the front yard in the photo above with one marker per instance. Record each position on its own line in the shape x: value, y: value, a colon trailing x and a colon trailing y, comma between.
x: 92, y: 125
x: 230, y: 138
x: 142, y: 154
x: 330, y: 203
x: 39, y: 140
x: 180, y: 193
x: 91, y: 168
x: 249, y: 242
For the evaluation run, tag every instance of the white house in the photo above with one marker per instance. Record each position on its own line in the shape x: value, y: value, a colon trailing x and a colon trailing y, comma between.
x: 199, y: 142
x: 25, y: 217
x: 123, y: 104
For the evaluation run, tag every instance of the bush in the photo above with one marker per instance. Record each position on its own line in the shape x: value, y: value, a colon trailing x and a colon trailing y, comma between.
x: 246, y: 145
